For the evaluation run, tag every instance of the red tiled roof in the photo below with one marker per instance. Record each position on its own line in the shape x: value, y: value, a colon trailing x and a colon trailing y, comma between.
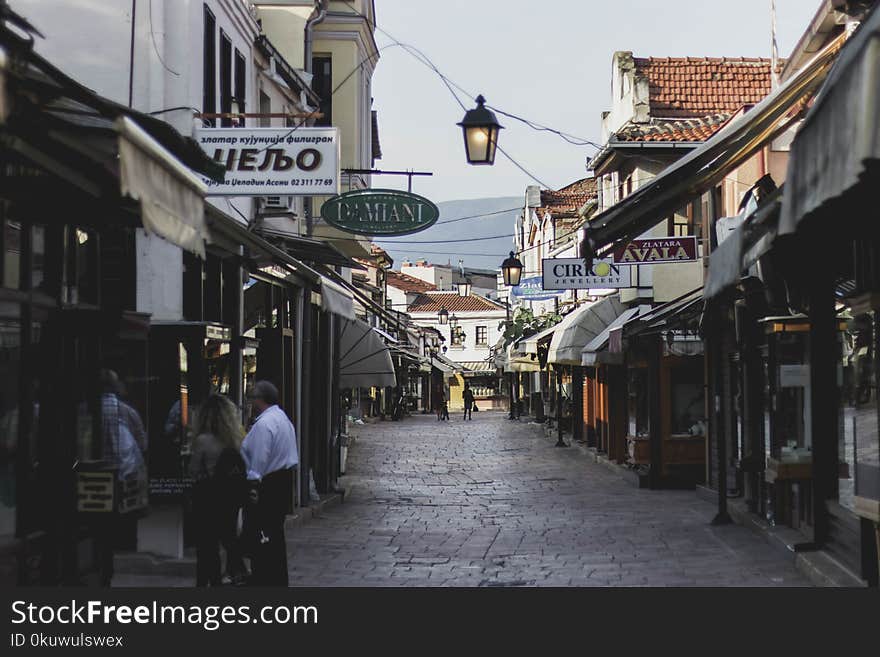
x: 569, y: 198
x: 694, y: 87
x: 679, y: 130
x: 433, y: 302
x: 407, y: 283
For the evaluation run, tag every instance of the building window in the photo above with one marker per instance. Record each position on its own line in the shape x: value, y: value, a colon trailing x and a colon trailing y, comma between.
x: 225, y: 79
x: 265, y: 108
x: 482, y: 336
x: 209, y: 74
x: 683, y: 223
x: 240, y: 85
x: 322, y: 84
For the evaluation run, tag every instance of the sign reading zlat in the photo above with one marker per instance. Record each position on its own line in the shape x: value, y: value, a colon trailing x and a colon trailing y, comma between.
x: 658, y: 249
x: 380, y: 212
x: 273, y: 161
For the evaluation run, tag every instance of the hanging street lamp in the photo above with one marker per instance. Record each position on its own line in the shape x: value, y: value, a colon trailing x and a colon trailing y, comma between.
x: 511, y: 270
x: 464, y: 287
x: 480, y: 129
x: 443, y: 316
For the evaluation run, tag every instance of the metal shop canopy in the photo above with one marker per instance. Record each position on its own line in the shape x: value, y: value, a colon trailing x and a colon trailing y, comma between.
x: 686, y: 307
x: 839, y: 141
x: 596, y: 352
x: 580, y: 327
x: 709, y: 163
x: 364, y: 360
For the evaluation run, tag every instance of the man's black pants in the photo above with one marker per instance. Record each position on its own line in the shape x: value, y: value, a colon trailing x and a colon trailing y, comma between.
x: 269, y: 562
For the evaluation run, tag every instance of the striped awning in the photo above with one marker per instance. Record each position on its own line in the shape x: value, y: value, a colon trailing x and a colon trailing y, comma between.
x: 478, y: 368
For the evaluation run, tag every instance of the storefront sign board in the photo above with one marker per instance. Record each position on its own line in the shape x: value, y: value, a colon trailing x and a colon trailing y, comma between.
x: 380, y: 212
x: 657, y: 250
x: 573, y: 274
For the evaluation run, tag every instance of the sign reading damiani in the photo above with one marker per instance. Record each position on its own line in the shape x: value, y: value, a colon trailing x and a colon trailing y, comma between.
x: 660, y: 249
x: 573, y: 274
x: 380, y: 212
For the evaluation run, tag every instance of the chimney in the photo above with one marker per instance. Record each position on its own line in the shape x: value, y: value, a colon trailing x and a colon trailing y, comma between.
x: 533, y: 196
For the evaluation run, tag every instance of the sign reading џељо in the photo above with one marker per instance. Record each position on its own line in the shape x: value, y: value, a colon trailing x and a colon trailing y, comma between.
x: 380, y: 212
x: 655, y: 250
x: 273, y: 161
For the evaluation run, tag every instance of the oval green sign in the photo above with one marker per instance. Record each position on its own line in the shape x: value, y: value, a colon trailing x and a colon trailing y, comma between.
x: 380, y: 212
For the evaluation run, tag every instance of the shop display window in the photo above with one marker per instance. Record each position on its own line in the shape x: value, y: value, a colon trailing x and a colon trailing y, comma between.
x: 638, y: 407
x: 858, y: 448
x: 687, y: 400
x: 789, y: 393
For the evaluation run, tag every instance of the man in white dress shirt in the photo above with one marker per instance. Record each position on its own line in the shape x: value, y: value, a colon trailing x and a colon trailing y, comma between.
x: 270, y: 453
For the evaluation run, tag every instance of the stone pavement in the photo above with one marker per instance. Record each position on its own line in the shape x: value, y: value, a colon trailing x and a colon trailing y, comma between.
x: 492, y: 503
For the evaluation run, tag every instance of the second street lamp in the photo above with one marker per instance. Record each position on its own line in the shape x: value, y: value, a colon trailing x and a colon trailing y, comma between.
x: 464, y: 287
x: 443, y: 316
x: 511, y: 270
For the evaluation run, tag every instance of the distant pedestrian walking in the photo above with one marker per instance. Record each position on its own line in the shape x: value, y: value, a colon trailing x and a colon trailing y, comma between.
x: 469, y: 402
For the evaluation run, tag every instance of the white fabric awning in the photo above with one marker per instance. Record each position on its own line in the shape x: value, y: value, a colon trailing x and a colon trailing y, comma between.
x: 596, y: 352
x: 171, y: 196
x: 336, y: 299
x: 578, y: 328
x: 364, y: 359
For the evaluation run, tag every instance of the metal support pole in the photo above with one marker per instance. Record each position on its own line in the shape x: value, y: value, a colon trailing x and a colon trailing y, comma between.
x: 559, y: 441
x: 510, y: 414
x: 716, y: 352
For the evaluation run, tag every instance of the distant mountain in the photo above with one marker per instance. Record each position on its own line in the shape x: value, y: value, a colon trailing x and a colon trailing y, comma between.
x: 490, y: 217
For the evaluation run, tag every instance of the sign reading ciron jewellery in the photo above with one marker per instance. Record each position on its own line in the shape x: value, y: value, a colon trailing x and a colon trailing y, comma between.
x: 380, y: 212
x: 656, y: 250
x: 573, y: 274
x: 273, y: 161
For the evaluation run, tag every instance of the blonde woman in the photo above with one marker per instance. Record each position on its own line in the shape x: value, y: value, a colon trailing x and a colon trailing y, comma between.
x: 219, y: 491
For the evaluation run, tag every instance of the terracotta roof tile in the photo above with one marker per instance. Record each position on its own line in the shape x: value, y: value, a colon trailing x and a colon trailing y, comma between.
x: 678, y: 131
x: 569, y: 198
x: 407, y: 283
x: 694, y: 87
x: 433, y: 302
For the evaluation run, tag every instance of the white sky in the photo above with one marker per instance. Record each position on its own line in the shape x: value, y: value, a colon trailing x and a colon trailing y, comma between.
x: 545, y: 61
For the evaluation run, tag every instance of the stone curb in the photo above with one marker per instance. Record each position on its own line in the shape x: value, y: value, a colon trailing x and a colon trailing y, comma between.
x: 817, y: 565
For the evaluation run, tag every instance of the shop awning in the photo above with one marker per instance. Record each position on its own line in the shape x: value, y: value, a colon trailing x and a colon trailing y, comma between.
x: 596, y: 352
x: 170, y: 195
x: 518, y: 361
x: 742, y: 247
x: 529, y: 345
x: 336, y: 299
x: 580, y: 327
x: 840, y: 136
x: 478, y: 368
x: 668, y: 315
x: 309, y: 250
x: 703, y: 167
x: 364, y: 359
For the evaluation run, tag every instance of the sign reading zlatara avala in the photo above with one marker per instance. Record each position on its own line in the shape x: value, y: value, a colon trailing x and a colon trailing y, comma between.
x: 380, y: 212
x: 273, y: 161
x: 657, y: 249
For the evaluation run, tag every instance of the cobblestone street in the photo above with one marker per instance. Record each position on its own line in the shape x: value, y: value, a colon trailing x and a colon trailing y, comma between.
x: 492, y: 503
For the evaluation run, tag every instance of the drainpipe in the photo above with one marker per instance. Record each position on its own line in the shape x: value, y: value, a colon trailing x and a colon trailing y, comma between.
x: 321, y: 6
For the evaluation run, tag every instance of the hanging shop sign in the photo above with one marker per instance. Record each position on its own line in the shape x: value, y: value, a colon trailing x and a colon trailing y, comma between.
x: 655, y: 250
x: 532, y: 289
x: 273, y: 161
x: 380, y: 212
x: 573, y: 274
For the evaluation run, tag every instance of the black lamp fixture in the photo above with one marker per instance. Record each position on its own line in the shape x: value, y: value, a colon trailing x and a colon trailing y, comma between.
x: 480, y: 129
x: 443, y: 316
x: 464, y: 287
x: 511, y: 270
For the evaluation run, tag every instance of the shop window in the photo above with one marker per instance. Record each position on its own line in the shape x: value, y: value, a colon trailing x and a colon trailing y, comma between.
x: 638, y: 407
x: 686, y: 385
x: 482, y: 336
x: 789, y: 389
x: 12, y: 254
x: 858, y: 448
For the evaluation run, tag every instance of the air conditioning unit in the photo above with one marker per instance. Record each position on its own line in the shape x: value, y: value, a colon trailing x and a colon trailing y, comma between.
x: 277, y: 203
